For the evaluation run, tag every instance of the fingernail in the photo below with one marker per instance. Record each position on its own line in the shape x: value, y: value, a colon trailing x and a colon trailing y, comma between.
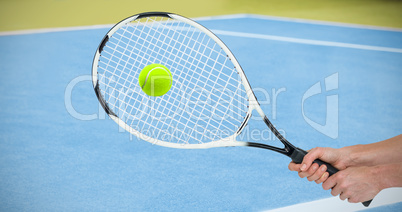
x: 303, y: 167
x: 323, y: 168
x: 314, y: 168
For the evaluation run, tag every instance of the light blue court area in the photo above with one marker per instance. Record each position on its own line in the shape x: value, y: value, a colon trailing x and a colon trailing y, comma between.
x: 321, y: 84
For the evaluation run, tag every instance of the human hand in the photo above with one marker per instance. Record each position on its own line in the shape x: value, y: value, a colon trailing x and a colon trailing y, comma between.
x: 315, y: 173
x: 337, y: 157
x: 357, y: 184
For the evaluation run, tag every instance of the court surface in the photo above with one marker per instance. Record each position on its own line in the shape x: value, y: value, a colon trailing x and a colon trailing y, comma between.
x: 60, y: 152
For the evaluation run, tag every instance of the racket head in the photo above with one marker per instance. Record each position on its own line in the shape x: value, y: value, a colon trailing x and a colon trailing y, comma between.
x: 210, y: 101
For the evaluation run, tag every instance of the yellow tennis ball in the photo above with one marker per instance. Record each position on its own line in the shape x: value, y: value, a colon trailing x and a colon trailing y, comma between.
x: 155, y: 79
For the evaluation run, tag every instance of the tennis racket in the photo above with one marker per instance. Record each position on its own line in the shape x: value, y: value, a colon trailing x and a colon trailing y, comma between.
x: 210, y: 101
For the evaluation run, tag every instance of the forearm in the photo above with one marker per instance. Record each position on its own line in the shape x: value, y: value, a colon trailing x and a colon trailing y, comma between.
x: 383, y: 152
x: 389, y: 175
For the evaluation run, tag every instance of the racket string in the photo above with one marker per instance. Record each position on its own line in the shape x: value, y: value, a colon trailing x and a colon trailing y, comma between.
x: 198, y: 80
x: 144, y: 64
x: 233, y: 105
x: 126, y: 87
x: 189, y: 137
x: 194, y: 58
x: 185, y: 36
x: 180, y: 117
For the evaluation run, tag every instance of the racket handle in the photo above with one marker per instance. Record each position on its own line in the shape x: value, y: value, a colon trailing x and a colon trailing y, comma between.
x: 298, y: 155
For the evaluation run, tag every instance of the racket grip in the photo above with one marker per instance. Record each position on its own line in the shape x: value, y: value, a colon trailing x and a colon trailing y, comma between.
x: 298, y: 155
x: 330, y: 169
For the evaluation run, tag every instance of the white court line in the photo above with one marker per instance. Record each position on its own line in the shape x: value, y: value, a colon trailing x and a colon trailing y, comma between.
x: 325, y: 23
x: 247, y: 35
x: 298, y: 20
x: 222, y: 32
x: 221, y: 17
x: 334, y: 204
x: 57, y: 29
x: 307, y: 41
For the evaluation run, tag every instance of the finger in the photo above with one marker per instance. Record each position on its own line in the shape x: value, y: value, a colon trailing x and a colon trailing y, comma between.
x: 318, y: 173
x: 344, y: 196
x: 323, y: 178
x: 313, y: 168
x: 302, y: 174
x: 307, y: 173
x: 336, y: 190
x: 353, y: 200
x: 329, y: 183
x: 312, y: 171
x: 294, y: 167
x: 310, y: 157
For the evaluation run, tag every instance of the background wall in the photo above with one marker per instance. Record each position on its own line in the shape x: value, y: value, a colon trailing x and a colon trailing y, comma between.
x: 30, y: 14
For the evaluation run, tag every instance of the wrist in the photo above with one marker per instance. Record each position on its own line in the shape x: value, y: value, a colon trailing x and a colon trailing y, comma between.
x: 388, y: 175
x: 351, y: 155
x: 380, y: 173
x: 360, y: 155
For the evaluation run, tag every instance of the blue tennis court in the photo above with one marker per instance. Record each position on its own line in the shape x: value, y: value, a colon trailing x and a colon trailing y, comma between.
x: 321, y: 84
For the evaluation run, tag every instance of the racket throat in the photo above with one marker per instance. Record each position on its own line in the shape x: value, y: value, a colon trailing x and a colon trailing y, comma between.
x: 283, y: 151
x: 288, y: 150
x: 297, y: 155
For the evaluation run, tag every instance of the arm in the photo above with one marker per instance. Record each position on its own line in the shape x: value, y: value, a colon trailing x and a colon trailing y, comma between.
x: 383, y: 152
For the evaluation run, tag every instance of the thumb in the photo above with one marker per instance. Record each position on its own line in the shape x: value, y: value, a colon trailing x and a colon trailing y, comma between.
x: 312, y: 154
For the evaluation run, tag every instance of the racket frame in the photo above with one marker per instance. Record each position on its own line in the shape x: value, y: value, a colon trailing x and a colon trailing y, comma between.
x: 225, y: 142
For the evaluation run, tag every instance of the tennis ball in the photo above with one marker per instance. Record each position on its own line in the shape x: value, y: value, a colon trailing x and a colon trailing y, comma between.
x: 155, y: 79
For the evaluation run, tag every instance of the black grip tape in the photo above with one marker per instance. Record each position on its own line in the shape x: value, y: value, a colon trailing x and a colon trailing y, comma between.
x: 298, y: 155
